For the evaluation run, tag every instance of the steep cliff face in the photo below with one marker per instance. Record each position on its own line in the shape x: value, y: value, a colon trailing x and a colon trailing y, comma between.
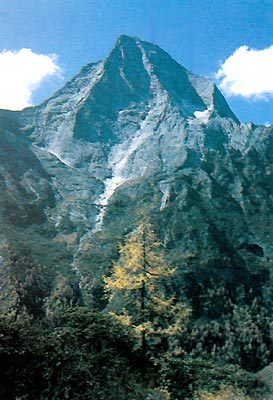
x: 136, y: 133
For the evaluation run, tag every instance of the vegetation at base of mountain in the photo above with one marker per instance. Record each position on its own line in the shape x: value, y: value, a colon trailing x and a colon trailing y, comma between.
x: 227, y: 333
x: 185, y: 377
x: 242, y: 337
x: 161, y: 335
x: 85, y: 355
x: 29, y: 291
x: 229, y: 327
x: 90, y: 356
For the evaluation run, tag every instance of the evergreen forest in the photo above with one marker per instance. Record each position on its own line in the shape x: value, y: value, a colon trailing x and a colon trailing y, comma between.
x: 154, y: 332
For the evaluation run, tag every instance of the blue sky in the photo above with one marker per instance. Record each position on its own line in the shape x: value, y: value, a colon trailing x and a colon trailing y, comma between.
x: 199, y: 34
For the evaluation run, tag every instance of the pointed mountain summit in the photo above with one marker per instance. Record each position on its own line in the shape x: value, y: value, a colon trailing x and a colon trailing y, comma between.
x: 186, y: 90
x: 136, y: 86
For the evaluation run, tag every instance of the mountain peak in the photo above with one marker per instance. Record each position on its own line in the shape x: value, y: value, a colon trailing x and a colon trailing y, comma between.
x: 134, y: 90
x: 143, y: 63
x: 137, y: 72
x: 122, y: 39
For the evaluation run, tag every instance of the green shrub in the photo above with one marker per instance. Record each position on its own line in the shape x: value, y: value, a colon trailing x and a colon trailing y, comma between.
x: 183, y: 377
x: 86, y: 356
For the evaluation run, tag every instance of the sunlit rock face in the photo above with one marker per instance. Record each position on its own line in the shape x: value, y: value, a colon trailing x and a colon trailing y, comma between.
x: 130, y: 135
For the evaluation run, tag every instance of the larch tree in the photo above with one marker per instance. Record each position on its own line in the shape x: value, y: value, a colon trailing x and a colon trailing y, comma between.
x: 137, y: 290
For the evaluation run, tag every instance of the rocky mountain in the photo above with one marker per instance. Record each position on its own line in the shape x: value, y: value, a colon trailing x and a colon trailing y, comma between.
x: 135, y: 134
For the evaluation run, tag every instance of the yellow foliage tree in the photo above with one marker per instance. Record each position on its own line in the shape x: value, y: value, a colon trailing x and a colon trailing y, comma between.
x: 137, y: 291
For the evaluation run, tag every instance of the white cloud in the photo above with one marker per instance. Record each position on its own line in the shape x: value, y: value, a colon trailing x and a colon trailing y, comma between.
x: 21, y: 73
x: 248, y: 73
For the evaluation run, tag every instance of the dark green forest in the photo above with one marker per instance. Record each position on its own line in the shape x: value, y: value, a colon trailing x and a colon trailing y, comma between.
x: 156, y: 332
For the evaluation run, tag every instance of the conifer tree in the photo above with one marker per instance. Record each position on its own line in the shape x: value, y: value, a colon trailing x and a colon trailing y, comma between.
x: 137, y: 291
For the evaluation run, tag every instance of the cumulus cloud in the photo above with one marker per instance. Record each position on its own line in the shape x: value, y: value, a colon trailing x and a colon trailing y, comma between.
x: 21, y: 73
x: 248, y: 73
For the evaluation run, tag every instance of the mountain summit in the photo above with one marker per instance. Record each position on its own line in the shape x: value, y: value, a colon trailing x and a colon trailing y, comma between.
x: 136, y: 86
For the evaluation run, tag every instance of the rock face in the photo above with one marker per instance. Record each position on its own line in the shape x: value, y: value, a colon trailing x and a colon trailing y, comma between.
x: 136, y: 133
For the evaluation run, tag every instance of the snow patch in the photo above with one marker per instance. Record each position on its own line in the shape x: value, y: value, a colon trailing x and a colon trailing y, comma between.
x: 122, y: 52
x: 118, y: 159
x: 165, y: 198
x: 202, y: 116
x: 63, y: 161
